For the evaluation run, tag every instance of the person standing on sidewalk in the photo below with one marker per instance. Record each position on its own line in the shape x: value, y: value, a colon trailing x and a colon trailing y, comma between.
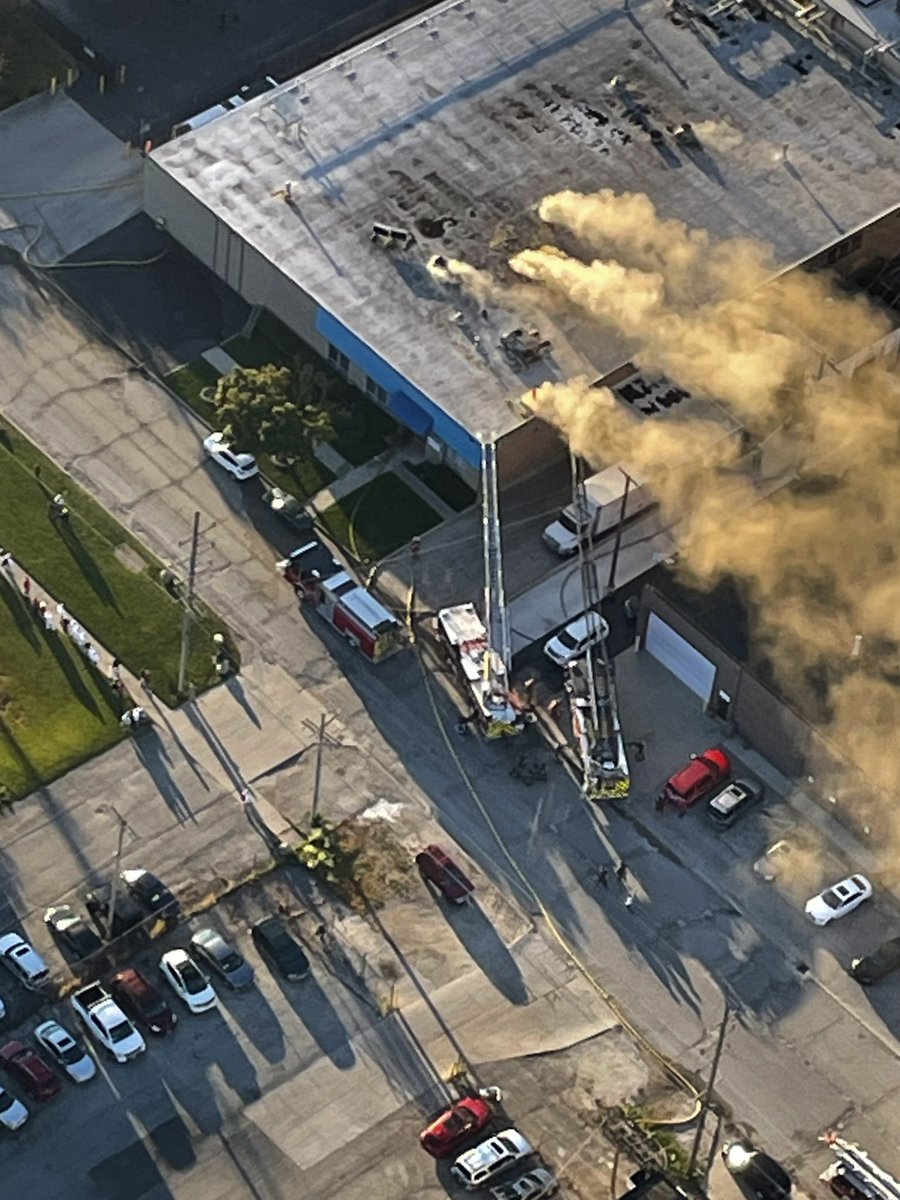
x: 603, y: 876
x: 622, y: 873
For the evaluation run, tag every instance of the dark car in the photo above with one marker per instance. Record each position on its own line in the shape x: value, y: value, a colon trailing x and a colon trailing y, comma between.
x: 279, y: 948
x: 878, y: 964
x: 128, y: 915
x: 71, y: 933
x: 27, y: 1066
x: 441, y: 873
x: 732, y: 802
x: 153, y: 895
x: 758, y: 1173
x: 139, y: 999
x: 290, y: 509
x: 222, y: 958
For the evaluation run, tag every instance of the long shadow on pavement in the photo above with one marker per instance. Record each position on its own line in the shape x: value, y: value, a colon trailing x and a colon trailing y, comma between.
x: 485, y: 947
x: 256, y: 1017
x: 320, y: 1017
x: 152, y: 754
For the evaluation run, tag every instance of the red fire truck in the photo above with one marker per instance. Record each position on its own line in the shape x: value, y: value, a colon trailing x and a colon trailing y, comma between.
x: 320, y: 580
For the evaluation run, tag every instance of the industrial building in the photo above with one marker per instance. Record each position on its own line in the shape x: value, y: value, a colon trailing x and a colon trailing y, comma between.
x: 326, y: 199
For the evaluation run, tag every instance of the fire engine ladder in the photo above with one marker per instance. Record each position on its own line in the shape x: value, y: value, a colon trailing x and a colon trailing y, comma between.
x: 496, y: 616
x: 602, y: 718
x: 879, y: 1182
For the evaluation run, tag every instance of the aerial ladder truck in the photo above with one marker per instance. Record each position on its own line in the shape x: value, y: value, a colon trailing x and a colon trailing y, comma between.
x: 854, y: 1174
x: 591, y: 690
x: 479, y: 649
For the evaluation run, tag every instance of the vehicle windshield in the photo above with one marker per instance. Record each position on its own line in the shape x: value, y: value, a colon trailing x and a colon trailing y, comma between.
x: 832, y: 899
x: 6, y: 1101
x: 231, y: 961
x: 69, y: 1052
x: 120, y: 1032
x: 567, y: 522
x: 565, y: 639
x: 193, y: 980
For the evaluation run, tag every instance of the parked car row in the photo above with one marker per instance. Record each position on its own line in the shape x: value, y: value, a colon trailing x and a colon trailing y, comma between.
x: 480, y: 1161
x: 118, y: 1014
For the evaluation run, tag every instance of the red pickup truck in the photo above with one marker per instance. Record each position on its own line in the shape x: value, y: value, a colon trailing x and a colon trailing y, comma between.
x: 440, y: 872
x: 701, y: 775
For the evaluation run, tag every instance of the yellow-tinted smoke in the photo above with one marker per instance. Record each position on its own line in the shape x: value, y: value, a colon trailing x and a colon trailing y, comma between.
x: 818, y: 563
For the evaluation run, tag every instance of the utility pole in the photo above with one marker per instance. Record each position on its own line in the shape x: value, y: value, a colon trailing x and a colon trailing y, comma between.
x: 704, y: 1104
x: 318, y: 783
x: 187, y: 623
x: 114, y: 886
x: 611, y: 582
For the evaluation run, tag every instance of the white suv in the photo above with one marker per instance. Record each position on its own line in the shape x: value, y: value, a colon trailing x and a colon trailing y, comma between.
x: 23, y: 961
x: 577, y: 637
x: 480, y: 1165
x: 241, y: 466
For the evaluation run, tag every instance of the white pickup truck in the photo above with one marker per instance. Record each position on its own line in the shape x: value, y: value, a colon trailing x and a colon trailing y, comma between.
x: 106, y: 1023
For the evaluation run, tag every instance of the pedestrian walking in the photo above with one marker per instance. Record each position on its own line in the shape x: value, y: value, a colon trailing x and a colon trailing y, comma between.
x: 603, y: 876
x: 65, y: 624
x: 26, y: 586
x: 321, y: 933
x: 622, y: 873
x: 93, y: 654
x: 146, y: 680
x: 629, y: 899
x: 6, y: 561
x: 49, y: 619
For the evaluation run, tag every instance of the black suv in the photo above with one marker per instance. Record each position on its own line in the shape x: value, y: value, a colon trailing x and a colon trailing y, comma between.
x: 153, y: 895
x: 878, y: 964
x: 73, y: 935
x: 273, y: 940
x: 128, y: 915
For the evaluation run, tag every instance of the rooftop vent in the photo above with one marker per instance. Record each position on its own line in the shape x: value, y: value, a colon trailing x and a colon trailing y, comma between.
x: 391, y: 238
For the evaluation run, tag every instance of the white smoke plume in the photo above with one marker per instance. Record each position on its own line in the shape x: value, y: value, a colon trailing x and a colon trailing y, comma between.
x: 818, y: 563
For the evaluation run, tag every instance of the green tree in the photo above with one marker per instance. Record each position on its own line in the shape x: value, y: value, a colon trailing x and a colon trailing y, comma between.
x: 273, y: 409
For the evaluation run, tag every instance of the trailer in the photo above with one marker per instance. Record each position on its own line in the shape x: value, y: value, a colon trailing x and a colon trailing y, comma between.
x: 480, y: 671
x: 321, y: 581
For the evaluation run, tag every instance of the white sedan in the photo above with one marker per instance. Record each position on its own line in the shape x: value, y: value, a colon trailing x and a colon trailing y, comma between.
x: 71, y: 1058
x: 187, y: 981
x: 241, y: 466
x: 572, y: 642
x: 838, y: 900
x: 13, y: 1112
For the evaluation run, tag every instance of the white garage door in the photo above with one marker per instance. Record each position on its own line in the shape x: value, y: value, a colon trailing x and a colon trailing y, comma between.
x: 680, y: 657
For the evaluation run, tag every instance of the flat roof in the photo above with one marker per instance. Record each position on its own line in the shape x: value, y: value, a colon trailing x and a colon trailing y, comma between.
x: 455, y: 124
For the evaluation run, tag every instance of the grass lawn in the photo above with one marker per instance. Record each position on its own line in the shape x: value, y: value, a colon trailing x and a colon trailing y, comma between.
x: 30, y: 58
x: 107, y: 580
x: 55, y: 709
x: 444, y: 483
x: 378, y: 518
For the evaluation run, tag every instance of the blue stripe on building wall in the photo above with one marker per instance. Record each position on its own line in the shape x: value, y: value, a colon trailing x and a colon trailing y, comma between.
x: 410, y: 406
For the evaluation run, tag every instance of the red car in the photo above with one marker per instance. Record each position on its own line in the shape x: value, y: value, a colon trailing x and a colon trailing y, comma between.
x: 142, y: 1002
x: 448, y: 1132
x: 32, y: 1072
x: 703, y: 774
x: 441, y: 872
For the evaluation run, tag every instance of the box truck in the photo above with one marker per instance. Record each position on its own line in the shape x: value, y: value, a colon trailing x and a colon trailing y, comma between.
x: 597, y: 509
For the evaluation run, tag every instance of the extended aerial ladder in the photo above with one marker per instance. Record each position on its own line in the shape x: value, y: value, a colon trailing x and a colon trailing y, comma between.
x: 479, y: 650
x: 859, y: 1171
x: 591, y: 688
